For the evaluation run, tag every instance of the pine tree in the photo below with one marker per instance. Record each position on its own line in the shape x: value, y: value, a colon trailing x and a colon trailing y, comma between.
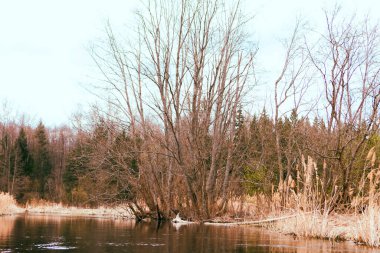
x: 42, y: 165
x: 22, y: 168
x: 24, y: 157
x: 77, y: 164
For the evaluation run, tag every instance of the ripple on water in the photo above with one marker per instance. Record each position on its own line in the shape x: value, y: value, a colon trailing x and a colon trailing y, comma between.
x: 54, y: 246
x: 136, y: 244
x: 150, y: 244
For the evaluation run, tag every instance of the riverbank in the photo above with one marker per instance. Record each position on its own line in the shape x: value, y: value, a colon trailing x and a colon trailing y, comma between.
x: 360, y: 228
x: 314, y: 225
x: 8, y: 206
x: 60, y: 209
x: 363, y: 228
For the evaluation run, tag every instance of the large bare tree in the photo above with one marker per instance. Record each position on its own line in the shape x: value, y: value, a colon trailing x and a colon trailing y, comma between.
x: 178, y: 84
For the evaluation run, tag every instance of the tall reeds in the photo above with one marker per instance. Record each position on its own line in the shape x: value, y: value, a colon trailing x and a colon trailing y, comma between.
x: 313, y: 206
x: 311, y: 203
x: 367, y: 230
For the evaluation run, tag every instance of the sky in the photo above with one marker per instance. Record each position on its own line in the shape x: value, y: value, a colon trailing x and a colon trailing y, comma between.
x: 45, y: 65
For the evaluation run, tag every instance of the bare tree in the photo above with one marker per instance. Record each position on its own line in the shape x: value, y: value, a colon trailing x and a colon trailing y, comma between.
x: 291, y: 84
x: 179, y: 84
x: 347, y: 59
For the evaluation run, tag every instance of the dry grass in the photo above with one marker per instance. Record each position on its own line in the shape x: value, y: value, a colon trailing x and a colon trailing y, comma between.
x: 243, y: 208
x: 8, y: 205
x: 259, y: 206
x: 361, y: 228
x: 367, y: 229
x: 317, y: 225
x: 44, y: 207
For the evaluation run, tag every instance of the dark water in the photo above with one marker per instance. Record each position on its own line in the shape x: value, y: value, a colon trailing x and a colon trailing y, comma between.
x: 78, y: 234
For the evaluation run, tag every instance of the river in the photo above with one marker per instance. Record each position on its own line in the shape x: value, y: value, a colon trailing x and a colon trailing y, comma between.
x: 31, y: 233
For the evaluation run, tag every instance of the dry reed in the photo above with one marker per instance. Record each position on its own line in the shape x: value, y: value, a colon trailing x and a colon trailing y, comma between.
x: 8, y: 204
x: 44, y: 207
x: 60, y: 209
x: 367, y: 230
x: 313, y: 208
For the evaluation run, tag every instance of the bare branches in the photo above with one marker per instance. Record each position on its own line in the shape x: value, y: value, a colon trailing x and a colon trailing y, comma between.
x: 187, y: 76
x: 292, y: 82
x: 348, y: 62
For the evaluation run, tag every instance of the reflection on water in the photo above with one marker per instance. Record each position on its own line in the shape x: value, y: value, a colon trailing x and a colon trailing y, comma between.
x: 6, y: 226
x: 78, y: 234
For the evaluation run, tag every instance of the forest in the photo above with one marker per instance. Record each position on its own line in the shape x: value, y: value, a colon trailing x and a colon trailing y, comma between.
x: 172, y: 130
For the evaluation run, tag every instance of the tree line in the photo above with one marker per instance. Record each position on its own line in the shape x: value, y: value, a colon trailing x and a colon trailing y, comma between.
x: 103, y: 163
x: 32, y: 161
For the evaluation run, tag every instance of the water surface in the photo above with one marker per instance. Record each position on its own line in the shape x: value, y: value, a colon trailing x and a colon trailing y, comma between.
x: 30, y: 233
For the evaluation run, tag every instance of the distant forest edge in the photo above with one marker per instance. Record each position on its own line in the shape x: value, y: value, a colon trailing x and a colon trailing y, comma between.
x: 100, y: 165
x: 172, y: 132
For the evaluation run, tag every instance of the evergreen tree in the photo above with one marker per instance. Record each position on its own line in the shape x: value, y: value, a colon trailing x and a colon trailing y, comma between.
x: 24, y: 157
x: 42, y: 165
x: 22, y: 168
x: 77, y: 164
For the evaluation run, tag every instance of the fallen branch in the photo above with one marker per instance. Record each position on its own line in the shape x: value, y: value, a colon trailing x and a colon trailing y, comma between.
x: 257, y: 222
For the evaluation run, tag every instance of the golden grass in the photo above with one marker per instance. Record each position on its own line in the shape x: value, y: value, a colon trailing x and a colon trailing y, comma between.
x: 309, y: 221
x: 367, y: 230
x: 317, y: 225
x: 362, y: 229
x: 44, y: 207
x: 259, y: 206
x: 8, y: 204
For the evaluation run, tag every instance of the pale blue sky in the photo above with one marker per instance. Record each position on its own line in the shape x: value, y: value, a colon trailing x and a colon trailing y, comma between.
x: 44, y: 61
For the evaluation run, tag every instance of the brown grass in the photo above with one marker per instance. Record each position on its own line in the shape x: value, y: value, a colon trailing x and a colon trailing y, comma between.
x: 311, y: 221
x: 367, y: 230
x: 317, y: 225
x: 45, y: 207
x: 8, y: 204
